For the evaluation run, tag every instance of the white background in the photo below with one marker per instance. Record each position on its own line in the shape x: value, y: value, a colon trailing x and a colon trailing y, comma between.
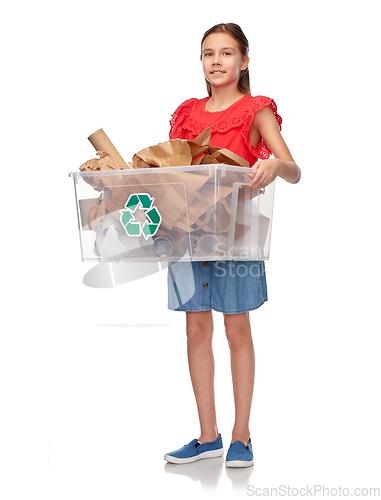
x: 94, y: 383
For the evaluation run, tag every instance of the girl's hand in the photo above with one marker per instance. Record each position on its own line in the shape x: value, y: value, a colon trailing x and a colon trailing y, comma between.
x: 267, y: 171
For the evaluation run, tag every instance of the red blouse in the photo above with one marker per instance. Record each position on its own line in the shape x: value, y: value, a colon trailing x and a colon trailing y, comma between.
x: 230, y: 128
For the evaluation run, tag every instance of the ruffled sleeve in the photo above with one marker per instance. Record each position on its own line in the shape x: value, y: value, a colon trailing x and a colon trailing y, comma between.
x: 179, y: 117
x: 257, y: 103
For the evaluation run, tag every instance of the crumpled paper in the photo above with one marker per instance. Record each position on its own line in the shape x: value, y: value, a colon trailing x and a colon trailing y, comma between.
x: 105, y: 162
x: 182, y: 212
x: 180, y: 152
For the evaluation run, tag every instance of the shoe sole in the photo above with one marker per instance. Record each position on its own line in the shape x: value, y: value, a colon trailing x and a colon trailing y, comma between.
x: 201, y: 456
x: 239, y: 463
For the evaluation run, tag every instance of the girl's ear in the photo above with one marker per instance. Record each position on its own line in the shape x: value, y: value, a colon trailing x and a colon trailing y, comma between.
x: 245, y: 62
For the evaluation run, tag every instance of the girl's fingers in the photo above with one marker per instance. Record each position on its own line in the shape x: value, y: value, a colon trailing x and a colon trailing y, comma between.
x: 258, y: 178
x: 265, y: 174
x: 256, y: 165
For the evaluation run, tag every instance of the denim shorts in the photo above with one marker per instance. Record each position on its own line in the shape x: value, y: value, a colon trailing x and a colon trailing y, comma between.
x: 229, y: 287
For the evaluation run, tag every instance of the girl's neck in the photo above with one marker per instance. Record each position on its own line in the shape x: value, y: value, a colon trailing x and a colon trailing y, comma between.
x: 222, y: 98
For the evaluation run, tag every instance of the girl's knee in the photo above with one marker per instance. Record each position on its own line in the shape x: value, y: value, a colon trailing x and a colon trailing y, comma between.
x: 199, y: 327
x: 237, y: 329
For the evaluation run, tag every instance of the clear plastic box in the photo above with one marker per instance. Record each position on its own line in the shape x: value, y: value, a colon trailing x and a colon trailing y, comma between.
x: 204, y: 212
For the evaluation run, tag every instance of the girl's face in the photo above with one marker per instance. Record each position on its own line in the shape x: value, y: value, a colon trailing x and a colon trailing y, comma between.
x: 222, y: 60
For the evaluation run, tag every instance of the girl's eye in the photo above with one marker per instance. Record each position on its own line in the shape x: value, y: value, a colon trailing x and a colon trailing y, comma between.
x: 209, y: 54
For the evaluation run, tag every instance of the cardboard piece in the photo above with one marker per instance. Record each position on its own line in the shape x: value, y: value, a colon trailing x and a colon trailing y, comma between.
x: 186, y: 200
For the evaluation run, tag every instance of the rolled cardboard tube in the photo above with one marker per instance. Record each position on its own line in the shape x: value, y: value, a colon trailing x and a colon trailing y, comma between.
x: 221, y: 246
x: 162, y: 247
x: 210, y: 244
x: 188, y: 244
x: 101, y: 142
x: 207, y: 244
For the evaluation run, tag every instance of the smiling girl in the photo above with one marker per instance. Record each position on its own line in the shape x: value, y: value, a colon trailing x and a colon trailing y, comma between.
x: 249, y: 127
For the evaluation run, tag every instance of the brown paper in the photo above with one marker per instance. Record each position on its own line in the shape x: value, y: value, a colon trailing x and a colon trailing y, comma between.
x: 171, y: 198
x: 201, y: 144
x: 180, y: 153
x: 101, y: 142
x: 226, y: 156
x: 175, y: 152
x: 201, y: 196
x: 105, y: 162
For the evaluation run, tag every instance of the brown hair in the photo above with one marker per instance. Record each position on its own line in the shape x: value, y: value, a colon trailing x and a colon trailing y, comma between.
x: 236, y: 32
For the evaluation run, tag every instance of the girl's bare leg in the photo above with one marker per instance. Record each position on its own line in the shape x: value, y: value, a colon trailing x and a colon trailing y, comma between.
x: 238, y: 333
x: 201, y: 367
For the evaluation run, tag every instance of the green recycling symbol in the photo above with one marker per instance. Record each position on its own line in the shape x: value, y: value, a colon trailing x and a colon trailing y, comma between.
x: 143, y: 201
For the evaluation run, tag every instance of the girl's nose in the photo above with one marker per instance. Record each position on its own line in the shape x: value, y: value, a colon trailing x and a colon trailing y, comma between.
x: 216, y: 60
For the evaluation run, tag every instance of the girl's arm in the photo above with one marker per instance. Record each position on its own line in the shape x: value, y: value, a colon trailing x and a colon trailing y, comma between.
x: 283, y: 164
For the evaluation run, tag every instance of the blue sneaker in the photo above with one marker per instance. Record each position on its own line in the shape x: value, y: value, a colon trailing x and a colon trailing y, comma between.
x: 195, y: 450
x: 240, y: 455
